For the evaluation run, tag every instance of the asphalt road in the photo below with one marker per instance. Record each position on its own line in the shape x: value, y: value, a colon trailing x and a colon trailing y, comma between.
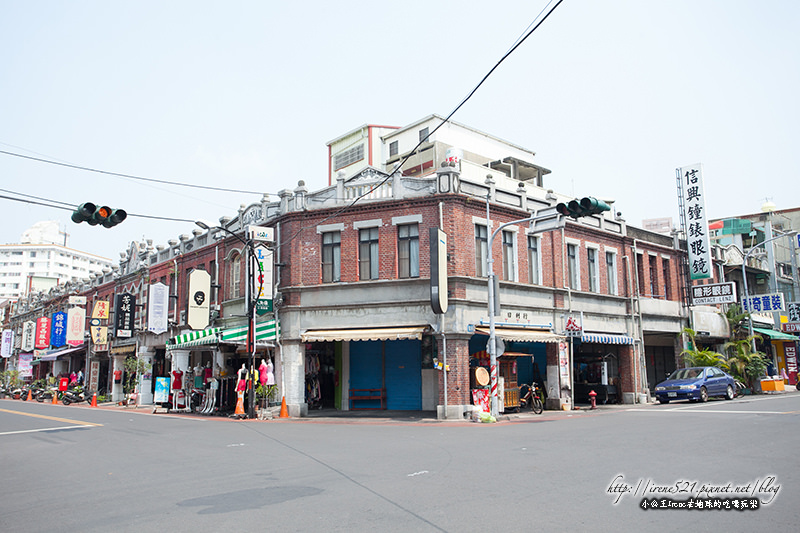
x: 81, y: 469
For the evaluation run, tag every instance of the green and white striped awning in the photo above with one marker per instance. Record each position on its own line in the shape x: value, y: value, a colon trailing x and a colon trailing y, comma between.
x: 194, y: 338
x: 265, y: 332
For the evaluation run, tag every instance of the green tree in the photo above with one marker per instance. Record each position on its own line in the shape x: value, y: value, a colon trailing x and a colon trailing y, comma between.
x: 133, y: 367
x: 745, y: 365
x: 737, y: 321
x: 704, y: 357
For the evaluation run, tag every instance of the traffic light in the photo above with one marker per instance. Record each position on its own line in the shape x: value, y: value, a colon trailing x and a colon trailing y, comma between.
x: 94, y: 215
x: 582, y: 208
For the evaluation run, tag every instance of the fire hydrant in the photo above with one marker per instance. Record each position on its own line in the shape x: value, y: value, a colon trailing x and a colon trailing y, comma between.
x: 592, y: 395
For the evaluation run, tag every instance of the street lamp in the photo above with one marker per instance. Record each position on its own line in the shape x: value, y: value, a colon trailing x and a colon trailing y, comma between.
x: 547, y: 219
x: 251, y: 303
x: 744, y: 277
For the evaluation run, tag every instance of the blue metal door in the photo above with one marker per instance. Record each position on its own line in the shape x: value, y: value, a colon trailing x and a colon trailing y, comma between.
x: 404, y: 375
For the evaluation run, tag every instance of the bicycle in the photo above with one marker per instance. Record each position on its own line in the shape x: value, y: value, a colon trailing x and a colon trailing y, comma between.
x: 531, y: 395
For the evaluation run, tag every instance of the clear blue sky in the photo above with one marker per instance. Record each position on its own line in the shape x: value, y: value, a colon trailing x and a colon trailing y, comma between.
x: 612, y: 96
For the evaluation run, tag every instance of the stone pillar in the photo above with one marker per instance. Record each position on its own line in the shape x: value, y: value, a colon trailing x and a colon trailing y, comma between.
x: 118, y: 364
x: 294, y: 379
x: 180, y: 360
x: 627, y: 373
x: 458, y: 400
x: 146, y: 378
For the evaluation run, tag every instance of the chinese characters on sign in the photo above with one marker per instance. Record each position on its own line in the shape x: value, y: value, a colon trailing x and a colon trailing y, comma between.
x: 764, y: 303
x: 8, y: 342
x: 58, y: 333
x: 28, y: 334
x: 123, y: 314
x: 717, y: 293
x: 42, y: 333
x: 76, y: 324
x: 100, y: 309
x: 793, y: 312
x: 694, y: 205
x: 157, y: 306
x: 572, y: 327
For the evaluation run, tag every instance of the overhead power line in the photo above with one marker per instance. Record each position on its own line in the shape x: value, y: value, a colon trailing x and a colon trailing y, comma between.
x: 129, y: 176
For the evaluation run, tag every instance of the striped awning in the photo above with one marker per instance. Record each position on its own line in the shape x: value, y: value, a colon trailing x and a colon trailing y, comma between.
x: 364, y: 334
x: 265, y: 332
x: 194, y: 338
x: 605, y: 338
x: 522, y: 334
x: 52, y: 356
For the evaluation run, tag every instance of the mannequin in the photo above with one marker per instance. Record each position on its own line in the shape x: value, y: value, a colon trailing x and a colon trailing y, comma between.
x: 177, y: 379
x: 207, y: 374
x: 270, y: 374
x: 241, y: 385
x: 198, y: 375
x: 262, y: 373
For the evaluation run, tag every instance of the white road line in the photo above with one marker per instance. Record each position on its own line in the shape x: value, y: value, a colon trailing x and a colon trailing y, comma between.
x: 678, y: 410
x: 47, y: 429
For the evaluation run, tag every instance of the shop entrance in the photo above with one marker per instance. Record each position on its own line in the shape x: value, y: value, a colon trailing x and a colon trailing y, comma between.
x: 321, y: 375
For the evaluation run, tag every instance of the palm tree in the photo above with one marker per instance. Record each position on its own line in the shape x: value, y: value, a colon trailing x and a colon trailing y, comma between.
x: 745, y: 365
x: 737, y: 318
x: 704, y: 357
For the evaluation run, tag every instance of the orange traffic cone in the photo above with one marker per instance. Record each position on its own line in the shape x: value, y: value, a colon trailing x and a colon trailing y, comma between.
x: 94, y: 400
x: 284, y: 411
x: 30, y: 396
x: 240, y: 405
x: 55, y: 397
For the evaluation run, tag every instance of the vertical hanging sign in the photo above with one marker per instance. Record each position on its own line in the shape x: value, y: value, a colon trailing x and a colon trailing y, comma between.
x: 157, y: 306
x: 8, y: 343
x: 28, y: 335
x: 198, y: 301
x: 124, y: 307
x: 263, y: 279
x: 694, y: 206
x: 58, y: 333
x: 42, y: 333
x: 76, y: 323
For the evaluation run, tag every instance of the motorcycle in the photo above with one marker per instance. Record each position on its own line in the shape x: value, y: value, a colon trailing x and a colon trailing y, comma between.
x: 76, y: 395
x: 47, y: 394
x: 531, y: 396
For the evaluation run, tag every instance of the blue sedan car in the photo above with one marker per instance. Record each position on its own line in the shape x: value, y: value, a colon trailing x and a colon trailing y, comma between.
x: 696, y: 384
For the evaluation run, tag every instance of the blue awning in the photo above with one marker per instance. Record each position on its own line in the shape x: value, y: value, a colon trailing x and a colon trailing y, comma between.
x: 605, y: 338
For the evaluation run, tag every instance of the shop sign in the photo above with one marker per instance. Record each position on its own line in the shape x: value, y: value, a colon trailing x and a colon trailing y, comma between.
x: 8, y: 343
x: 99, y: 334
x: 764, y: 303
x: 572, y: 327
x: 100, y: 309
x: 715, y: 293
x: 58, y: 331
x: 694, y: 202
x: 76, y: 322
x: 161, y: 394
x: 157, y: 308
x: 563, y: 364
x: 42, y: 333
x: 25, y: 366
x: 124, y: 307
x: 28, y: 336
x: 790, y: 352
x: 791, y: 327
x: 77, y: 300
x: 94, y: 375
x: 793, y: 311
x: 199, y: 299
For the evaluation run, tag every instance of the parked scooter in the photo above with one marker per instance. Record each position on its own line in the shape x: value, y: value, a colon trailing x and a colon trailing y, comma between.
x: 47, y: 394
x: 76, y: 395
x: 531, y: 396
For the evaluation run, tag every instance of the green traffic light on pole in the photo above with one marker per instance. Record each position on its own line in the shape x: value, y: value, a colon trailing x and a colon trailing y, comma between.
x: 582, y: 208
x: 103, y: 215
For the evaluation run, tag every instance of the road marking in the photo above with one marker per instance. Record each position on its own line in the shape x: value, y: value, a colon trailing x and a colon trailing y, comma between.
x: 681, y: 410
x: 48, y: 429
x: 54, y: 418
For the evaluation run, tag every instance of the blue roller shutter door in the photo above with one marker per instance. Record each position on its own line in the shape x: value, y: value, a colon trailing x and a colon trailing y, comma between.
x: 404, y: 375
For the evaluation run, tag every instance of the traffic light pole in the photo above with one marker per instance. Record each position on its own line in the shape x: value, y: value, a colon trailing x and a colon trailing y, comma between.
x: 542, y: 216
x: 250, y: 296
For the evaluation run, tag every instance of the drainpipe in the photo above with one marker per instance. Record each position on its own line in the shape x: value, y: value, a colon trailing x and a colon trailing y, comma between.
x: 441, y: 325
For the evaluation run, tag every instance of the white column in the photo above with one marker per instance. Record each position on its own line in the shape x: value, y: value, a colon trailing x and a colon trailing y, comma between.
x: 180, y: 360
x: 117, y: 394
x: 293, y: 354
x: 146, y: 378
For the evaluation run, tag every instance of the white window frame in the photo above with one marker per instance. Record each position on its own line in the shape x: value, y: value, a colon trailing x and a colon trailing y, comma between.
x: 612, y: 283
x: 577, y: 264
x: 536, y: 266
x: 593, y: 271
